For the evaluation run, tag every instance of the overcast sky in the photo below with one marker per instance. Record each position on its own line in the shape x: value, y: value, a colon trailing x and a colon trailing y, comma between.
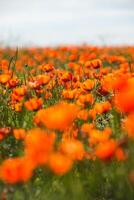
x: 53, y: 22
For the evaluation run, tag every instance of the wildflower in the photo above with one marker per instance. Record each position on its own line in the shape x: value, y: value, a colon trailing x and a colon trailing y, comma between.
x: 73, y: 149
x: 13, y: 82
x: 4, y: 78
x: 67, y: 76
x: 15, y: 170
x: 59, y: 163
x: 4, y: 132
x: 88, y: 84
x: 83, y: 114
x: 106, y: 150
x: 69, y: 94
x: 102, y: 107
x: 96, y: 63
x: 18, y: 93
x: 19, y: 133
x: 33, y: 104
x: 124, y: 98
x: 87, y: 128
x: 84, y: 100
x: 38, y: 145
x: 92, y: 114
x: 97, y: 136
x: 17, y: 107
x: 43, y: 79
x: 46, y: 67
x: 120, y: 154
x: 59, y: 116
x: 128, y: 125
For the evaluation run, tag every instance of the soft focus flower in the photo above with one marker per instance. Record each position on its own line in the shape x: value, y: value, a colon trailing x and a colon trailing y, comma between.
x: 124, y: 98
x: 72, y: 148
x: 15, y: 170
x: 106, y: 150
x: 59, y: 116
x: 38, y: 145
x: 128, y: 125
x: 19, y: 133
x: 59, y: 163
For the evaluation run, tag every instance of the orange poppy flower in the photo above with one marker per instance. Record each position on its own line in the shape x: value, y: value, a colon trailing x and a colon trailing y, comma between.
x: 96, y: 63
x: 69, y: 94
x: 59, y: 116
x: 33, y: 104
x: 124, y: 99
x: 83, y: 114
x: 59, y: 163
x: 120, y: 154
x: 38, y: 145
x: 72, y: 148
x: 102, y: 107
x: 97, y: 136
x: 4, y: 132
x: 92, y: 114
x: 19, y: 133
x: 46, y: 67
x: 128, y: 125
x: 86, y: 128
x: 4, y: 78
x: 15, y: 170
x: 13, y: 82
x: 43, y: 79
x: 106, y: 150
x: 17, y: 106
x: 88, y: 84
x: 20, y: 91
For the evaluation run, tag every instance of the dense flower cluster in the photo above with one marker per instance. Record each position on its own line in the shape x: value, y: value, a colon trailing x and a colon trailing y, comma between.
x: 63, y: 104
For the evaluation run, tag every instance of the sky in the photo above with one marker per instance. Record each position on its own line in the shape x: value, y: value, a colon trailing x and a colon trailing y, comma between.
x: 56, y: 22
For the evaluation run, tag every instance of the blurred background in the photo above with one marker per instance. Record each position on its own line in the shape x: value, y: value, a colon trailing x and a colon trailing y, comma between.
x: 54, y: 22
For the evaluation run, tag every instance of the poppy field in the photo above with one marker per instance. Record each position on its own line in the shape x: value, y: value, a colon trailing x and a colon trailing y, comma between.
x: 67, y: 123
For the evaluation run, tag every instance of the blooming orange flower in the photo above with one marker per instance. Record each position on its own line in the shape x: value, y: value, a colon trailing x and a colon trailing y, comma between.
x: 96, y: 63
x: 106, y: 150
x: 84, y: 100
x: 46, y: 67
x: 128, y: 125
x: 43, y: 79
x: 59, y: 116
x: 59, y: 163
x: 15, y: 170
x: 88, y: 84
x: 18, y: 93
x: 66, y: 76
x: 120, y: 154
x: 72, y: 148
x: 38, y: 145
x: 102, y: 107
x: 13, y: 82
x: 97, y: 136
x: 17, y: 106
x: 19, y: 133
x: 4, y: 132
x: 33, y: 104
x: 69, y: 94
x: 92, y: 114
x: 4, y: 78
x: 83, y: 114
x: 86, y: 128
x: 124, y: 99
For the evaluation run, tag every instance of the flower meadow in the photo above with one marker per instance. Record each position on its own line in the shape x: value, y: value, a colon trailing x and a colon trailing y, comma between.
x: 67, y: 123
